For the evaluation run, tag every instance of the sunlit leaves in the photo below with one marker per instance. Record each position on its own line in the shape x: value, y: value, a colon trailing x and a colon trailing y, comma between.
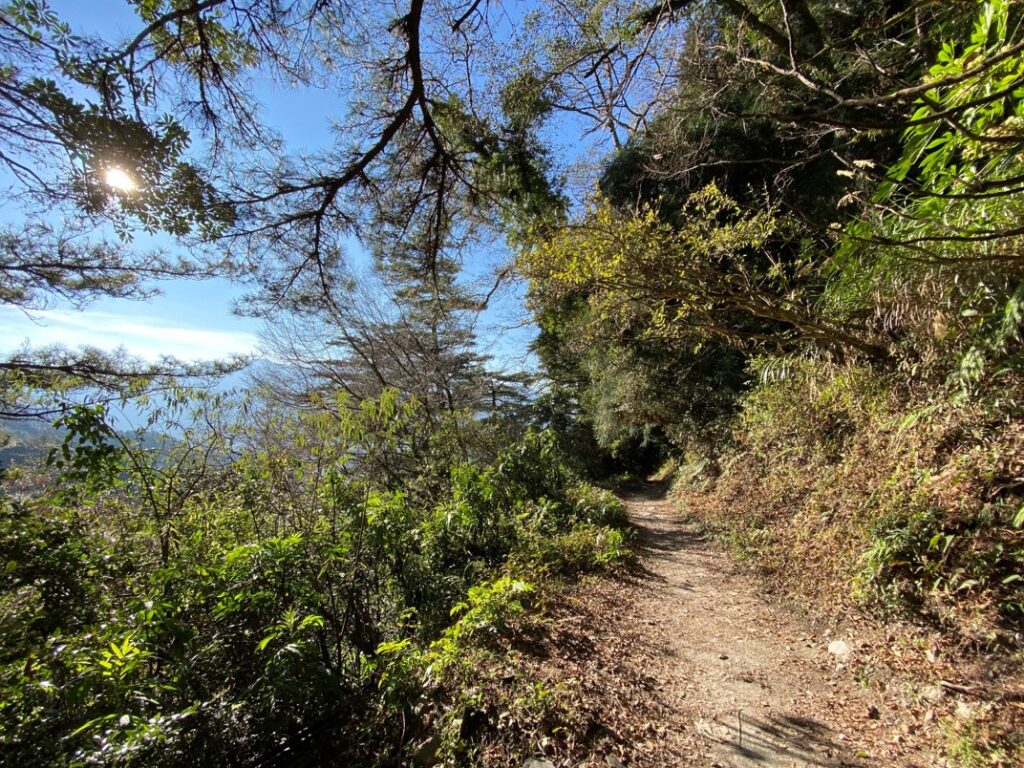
x: 940, y: 249
x: 675, y: 280
x: 69, y: 118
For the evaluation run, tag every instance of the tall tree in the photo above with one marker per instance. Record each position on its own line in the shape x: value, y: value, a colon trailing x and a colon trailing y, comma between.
x: 398, y: 329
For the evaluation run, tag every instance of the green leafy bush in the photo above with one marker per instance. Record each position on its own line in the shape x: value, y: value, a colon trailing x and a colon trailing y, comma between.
x: 290, y: 601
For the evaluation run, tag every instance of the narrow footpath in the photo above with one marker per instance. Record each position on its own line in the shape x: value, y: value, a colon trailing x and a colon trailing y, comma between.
x: 752, y: 687
x: 685, y: 662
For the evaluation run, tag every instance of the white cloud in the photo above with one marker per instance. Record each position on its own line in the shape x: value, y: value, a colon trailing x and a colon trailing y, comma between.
x: 146, y: 337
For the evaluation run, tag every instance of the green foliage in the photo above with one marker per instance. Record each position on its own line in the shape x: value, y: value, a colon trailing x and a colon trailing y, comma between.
x: 980, y: 740
x: 586, y: 547
x: 934, y: 259
x: 803, y: 403
x: 293, y: 597
x: 926, y: 554
x: 598, y: 506
x: 89, y: 458
x: 490, y: 608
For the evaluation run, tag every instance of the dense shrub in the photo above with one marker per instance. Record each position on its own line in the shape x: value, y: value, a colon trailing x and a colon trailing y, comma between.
x: 282, y: 610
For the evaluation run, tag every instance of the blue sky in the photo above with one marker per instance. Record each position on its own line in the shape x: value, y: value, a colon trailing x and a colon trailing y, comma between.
x: 192, y: 320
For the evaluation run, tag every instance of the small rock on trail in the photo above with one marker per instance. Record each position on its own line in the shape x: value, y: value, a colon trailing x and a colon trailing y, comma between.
x: 839, y: 648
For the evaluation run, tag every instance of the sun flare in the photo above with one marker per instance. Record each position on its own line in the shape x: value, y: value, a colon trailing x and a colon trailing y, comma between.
x: 119, y: 180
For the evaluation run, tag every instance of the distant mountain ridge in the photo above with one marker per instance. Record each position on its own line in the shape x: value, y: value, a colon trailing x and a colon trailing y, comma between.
x: 27, y: 441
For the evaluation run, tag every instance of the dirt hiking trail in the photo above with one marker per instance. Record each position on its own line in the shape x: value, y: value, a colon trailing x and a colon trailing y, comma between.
x: 757, y: 689
x: 686, y: 662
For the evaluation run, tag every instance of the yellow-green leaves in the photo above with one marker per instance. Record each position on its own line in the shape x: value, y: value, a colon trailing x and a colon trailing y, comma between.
x: 634, y: 266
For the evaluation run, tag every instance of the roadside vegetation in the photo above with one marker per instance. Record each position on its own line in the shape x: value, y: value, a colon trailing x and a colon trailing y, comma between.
x: 784, y: 255
x: 283, y: 607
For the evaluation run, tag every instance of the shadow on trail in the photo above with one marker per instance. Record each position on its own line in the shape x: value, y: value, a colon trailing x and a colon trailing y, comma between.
x: 780, y: 740
x: 649, y: 490
x: 659, y: 531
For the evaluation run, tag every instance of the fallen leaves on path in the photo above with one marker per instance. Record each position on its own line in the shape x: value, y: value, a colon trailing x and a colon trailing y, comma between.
x: 681, y: 660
